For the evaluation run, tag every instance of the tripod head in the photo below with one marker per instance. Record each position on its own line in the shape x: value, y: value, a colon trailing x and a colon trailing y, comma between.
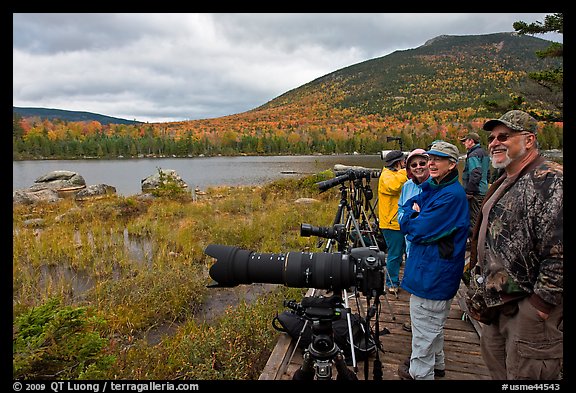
x: 323, y: 350
x: 317, y: 308
x: 321, y: 311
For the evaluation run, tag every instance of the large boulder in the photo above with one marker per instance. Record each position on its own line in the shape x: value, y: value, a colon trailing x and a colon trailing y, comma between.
x: 60, y: 181
x: 50, y: 187
x: 163, y: 176
x: 27, y: 197
x: 95, y: 191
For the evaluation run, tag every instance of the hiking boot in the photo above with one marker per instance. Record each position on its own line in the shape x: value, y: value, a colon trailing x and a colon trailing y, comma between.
x: 404, y: 371
x: 437, y: 373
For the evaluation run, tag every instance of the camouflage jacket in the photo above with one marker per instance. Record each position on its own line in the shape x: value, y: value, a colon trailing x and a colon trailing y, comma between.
x: 524, y: 239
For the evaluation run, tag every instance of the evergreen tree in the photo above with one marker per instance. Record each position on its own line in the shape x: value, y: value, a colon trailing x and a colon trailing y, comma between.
x: 17, y: 130
x: 551, y: 79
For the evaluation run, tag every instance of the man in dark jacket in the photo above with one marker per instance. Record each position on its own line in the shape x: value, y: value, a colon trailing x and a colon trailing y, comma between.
x: 475, y: 174
x: 517, y: 256
x: 436, y: 223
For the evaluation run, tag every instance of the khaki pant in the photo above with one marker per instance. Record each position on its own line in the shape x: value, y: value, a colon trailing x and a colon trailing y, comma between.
x: 428, y: 318
x: 521, y: 345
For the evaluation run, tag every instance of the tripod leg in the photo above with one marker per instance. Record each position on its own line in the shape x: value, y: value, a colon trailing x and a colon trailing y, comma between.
x: 306, y: 371
x: 344, y: 373
x: 386, y: 295
x: 350, y: 335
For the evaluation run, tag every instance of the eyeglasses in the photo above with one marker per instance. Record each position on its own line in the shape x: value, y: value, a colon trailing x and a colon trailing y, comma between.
x: 419, y: 163
x: 504, y: 137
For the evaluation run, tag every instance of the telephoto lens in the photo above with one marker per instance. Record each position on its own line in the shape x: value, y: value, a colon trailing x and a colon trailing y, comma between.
x: 235, y: 266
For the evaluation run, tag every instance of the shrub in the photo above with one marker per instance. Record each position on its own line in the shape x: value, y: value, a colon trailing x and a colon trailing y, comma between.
x: 55, y: 342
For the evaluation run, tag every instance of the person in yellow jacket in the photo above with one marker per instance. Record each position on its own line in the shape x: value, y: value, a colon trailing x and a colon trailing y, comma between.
x: 392, y: 178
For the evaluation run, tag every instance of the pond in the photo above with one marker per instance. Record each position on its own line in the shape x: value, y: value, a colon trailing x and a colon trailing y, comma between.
x: 199, y: 172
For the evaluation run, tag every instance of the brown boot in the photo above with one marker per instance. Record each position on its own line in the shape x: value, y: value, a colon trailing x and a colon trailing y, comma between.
x: 404, y: 371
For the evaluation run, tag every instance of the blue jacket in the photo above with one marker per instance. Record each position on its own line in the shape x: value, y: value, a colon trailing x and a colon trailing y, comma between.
x: 409, y: 189
x: 438, y: 239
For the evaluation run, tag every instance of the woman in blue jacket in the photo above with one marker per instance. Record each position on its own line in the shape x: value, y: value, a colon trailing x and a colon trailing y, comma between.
x: 436, y: 223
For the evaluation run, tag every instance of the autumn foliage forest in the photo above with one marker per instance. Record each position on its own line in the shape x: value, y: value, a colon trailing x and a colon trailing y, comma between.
x: 441, y: 90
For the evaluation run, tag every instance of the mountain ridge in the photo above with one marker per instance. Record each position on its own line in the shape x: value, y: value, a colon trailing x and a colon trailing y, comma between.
x: 446, y: 73
x: 375, y: 86
x: 68, y: 115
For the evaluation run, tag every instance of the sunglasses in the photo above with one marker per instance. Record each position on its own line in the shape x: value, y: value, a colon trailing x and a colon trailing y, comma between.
x: 419, y: 163
x: 505, y: 137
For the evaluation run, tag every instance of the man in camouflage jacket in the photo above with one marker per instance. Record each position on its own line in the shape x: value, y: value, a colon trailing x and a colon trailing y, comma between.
x: 517, y: 254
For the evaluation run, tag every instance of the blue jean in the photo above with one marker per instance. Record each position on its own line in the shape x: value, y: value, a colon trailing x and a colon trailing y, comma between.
x: 396, y: 247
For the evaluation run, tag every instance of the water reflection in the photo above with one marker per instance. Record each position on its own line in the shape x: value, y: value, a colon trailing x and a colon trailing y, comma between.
x: 138, y: 249
x: 75, y: 282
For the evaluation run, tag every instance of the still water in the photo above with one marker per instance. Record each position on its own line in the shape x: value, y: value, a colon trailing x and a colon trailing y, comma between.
x: 202, y: 172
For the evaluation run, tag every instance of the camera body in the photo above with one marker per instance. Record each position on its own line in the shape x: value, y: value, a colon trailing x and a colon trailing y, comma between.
x: 370, y: 270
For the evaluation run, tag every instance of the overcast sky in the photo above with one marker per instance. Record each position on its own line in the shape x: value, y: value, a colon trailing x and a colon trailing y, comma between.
x: 170, y: 67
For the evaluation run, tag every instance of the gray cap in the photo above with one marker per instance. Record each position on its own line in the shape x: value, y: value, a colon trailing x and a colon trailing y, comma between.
x: 392, y: 157
x: 515, y: 120
x: 444, y: 149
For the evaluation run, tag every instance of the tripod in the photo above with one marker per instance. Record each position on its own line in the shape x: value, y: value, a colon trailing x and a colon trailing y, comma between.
x: 322, y: 352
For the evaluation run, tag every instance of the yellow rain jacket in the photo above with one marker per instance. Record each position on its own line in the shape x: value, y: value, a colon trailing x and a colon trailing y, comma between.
x: 389, y: 188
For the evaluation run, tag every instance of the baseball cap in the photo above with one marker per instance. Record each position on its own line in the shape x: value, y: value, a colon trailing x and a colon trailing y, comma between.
x: 515, y: 120
x: 415, y: 153
x: 433, y: 142
x: 444, y: 149
x: 412, y: 154
x: 474, y: 136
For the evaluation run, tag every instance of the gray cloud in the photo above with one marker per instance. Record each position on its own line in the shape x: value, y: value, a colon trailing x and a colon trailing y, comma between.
x: 169, y: 67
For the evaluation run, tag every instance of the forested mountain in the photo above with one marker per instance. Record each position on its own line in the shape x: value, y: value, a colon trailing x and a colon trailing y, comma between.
x: 442, y: 89
x: 446, y: 73
x: 61, y: 114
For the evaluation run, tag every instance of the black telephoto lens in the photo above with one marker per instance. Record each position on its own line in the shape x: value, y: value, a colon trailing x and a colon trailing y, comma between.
x: 235, y: 266
x: 307, y: 230
x: 327, y: 184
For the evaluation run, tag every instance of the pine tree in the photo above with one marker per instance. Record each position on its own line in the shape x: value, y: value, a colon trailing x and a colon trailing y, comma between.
x: 551, y: 79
